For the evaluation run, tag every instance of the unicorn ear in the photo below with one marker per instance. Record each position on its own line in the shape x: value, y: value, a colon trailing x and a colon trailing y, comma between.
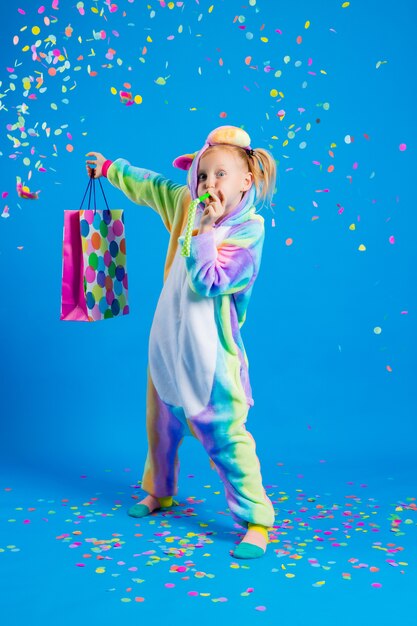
x: 184, y: 161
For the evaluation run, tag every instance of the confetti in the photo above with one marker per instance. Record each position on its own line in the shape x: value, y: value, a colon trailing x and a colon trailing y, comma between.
x: 24, y: 192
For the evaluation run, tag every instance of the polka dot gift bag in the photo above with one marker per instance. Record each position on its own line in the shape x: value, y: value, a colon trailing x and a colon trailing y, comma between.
x: 94, y: 274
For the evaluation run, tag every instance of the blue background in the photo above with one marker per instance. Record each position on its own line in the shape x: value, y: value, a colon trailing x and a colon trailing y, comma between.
x: 329, y: 391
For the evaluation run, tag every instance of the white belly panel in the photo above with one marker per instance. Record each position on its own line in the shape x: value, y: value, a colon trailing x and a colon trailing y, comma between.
x: 183, y: 341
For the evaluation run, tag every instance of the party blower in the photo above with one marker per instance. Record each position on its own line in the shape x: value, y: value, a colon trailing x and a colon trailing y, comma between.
x: 190, y: 223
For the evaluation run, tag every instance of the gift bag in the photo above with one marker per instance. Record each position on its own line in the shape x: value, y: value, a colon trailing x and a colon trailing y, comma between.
x: 94, y: 272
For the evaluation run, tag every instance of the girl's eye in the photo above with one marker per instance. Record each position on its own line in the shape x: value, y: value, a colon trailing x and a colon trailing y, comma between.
x: 221, y: 173
x: 201, y: 176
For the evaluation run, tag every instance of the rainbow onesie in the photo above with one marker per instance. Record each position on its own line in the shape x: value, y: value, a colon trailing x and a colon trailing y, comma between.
x: 198, y: 382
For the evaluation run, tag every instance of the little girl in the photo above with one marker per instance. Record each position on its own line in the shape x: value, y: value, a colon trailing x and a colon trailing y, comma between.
x: 198, y: 382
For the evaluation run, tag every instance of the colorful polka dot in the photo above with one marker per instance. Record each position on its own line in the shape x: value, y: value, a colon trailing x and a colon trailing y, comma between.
x: 105, y: 274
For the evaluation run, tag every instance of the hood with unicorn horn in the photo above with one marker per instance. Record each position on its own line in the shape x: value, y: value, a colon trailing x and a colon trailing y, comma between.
x: 229, y: 135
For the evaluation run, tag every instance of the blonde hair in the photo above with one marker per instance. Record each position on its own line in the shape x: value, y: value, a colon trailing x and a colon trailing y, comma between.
x: 262, y: 166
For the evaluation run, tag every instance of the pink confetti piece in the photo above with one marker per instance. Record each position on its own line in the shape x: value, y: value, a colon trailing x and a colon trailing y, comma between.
x: 391, y: 239
x: 260, y: 608
x: 376, y: 585
x: 402, y: 147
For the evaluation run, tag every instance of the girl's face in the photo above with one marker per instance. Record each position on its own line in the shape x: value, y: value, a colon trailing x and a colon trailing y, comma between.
x: 220, y: 169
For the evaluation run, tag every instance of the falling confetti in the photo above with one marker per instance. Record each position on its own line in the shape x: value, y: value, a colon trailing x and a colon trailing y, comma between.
x: 24, y: 192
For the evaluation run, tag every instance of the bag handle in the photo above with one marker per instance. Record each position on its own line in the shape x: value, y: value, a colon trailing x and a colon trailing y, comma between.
x: 91, y: 188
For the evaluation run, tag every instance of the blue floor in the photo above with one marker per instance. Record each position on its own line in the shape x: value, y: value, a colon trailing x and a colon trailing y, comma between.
x: 343, y: 550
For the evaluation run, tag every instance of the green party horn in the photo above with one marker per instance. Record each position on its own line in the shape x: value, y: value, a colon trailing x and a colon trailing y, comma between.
x: 190, y: 223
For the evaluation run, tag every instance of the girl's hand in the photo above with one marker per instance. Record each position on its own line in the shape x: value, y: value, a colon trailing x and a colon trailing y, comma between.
x: 98, y: 161
x: 215, y: 207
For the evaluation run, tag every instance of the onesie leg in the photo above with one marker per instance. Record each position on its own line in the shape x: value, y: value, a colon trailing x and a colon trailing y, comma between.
x: 233, y: 451
x: 165, y: 434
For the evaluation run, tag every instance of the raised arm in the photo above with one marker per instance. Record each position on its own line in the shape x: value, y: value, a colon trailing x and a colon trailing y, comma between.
x: 142, y: 186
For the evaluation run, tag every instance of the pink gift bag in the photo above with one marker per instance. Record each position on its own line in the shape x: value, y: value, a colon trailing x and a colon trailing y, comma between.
x: 94, y: 272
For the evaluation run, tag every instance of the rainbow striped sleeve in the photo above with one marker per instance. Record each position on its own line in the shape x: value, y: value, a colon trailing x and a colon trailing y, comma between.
x: 230, y: 267
x: 143, y: 186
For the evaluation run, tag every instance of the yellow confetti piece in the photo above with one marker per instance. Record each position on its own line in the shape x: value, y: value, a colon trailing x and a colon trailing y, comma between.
x: 36, y: 30
x: 307, y: 24
x: 264, y: 39
x: 160, y: 81
x: 362, y: 248
x: 352, y: 227
x: 288, y: 575
x: 100, y: 570
x: 319, y: 583
x: 113, y: 90
x: 273, y: 93
x: 377, y: 330
x: 138, y: 99
x: 345, y: 5
x: 211, y: 8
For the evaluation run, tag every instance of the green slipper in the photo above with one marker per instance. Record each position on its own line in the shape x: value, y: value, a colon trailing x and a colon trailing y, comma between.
x: 141, y: 510
x: 248, y: 551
